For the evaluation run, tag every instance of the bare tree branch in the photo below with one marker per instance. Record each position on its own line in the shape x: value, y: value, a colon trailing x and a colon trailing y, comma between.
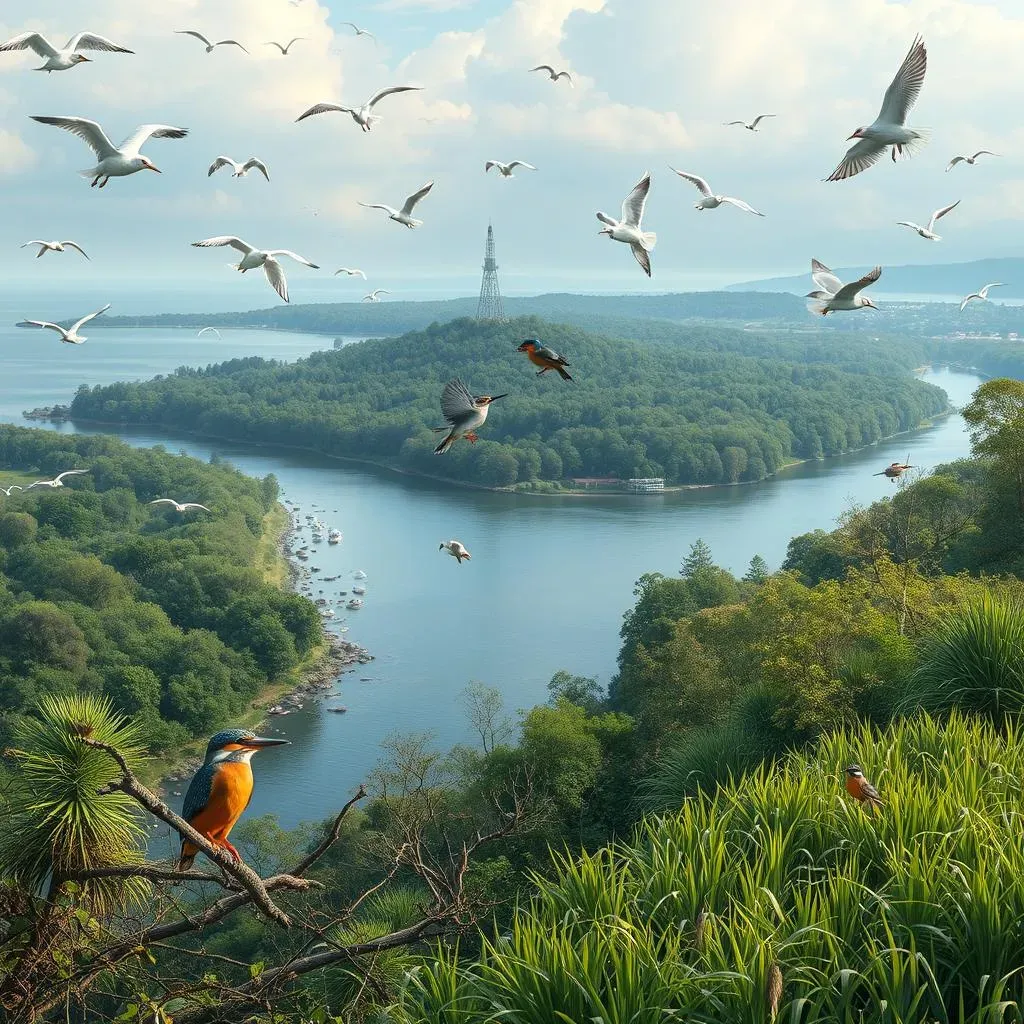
x: 330, y: 836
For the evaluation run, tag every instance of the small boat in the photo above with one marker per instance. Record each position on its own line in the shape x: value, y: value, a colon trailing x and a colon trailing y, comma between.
x: 334, y: 537
x: 359, y: 575
x: 318, y: 538
x: 302, y: 555
x: 354, y: 605
x: 327, y: 613
x: 358, y: 590
x: 339, y: 710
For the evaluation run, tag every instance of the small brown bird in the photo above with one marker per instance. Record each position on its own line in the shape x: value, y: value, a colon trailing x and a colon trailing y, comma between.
x: 895, y: 470
x: 860, y: 789
x: 544, y: 357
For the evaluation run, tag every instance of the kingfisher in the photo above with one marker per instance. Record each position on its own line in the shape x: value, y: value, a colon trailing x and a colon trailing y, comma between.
x: 544, y: 357
x: 221, y: 790
x: 463, y: 412
x: 860, y: 789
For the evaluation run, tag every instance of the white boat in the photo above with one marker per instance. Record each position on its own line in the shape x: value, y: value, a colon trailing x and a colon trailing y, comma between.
x: 334, y: 537
x: 358, y: 590
x: 354, y: 605
x: 327, y: 613
x: 359, y: 574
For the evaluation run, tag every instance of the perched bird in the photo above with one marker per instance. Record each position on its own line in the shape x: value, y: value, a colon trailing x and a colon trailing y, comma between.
x: 253, y: 258
x: 62, y: 60
x: 895, y: 469
x: 374, y: 296
x: 952, y: 163
x: 456, y: 549
x: 359, y: 31
x: 708, y: 200
x: 364, y: 115
x: 929, y: 232
x: 114, y: 161
x: 210, y: 47
x: 404, y: 215
x: 45, y: 247
x: 350, y: 272
x: 463, y: 412
x: 506, y: 169
x: 860, y: 789
x: 890, y: 127
x: 69, y: 335
x: 751, y: 126
x: 284, y: 49
x: 205, y: 329
x: 544, y: 357
x: 179, y: 506
x: 553, y: 74
x: 239, y: 170
x: 13, y: 487
x: 221, y: 790
x: 57, y: 481
x: 627, y: 229
x: 981, y: 295
x: 832, y: 295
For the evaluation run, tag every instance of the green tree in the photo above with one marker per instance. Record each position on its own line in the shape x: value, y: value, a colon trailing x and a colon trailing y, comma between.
x: 995, y: 417
x: 699, y: 558
x: 757, y: 571
x: 17, y: 528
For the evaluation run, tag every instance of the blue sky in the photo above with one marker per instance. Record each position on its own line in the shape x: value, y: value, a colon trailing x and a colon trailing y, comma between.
x: 655, y: 79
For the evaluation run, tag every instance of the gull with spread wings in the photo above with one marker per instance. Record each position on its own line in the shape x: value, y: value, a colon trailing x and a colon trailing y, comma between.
x: 404, y: 215
x: 553, y: 74
x: 45, y: 247
x: 364, y: 115
x: 929, y: 231
x: 628, y: 227
x: 832, y: 295
x: 253, y: 258
x: 708, y: 200
x: 751, y: 126
x: 183, y: 506
x: 284, y: 49
x: 239, y: 170
x: 505, y: 170
x: 68, y: 335
x: 58, y: 480
x: 981, y: 294
x: 210, y: 47
x: 70, y: 56
x: 969, y: 160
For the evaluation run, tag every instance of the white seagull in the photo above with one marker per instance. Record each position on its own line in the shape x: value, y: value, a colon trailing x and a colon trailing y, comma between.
x: 981, y: 294
x: 179, y: 507
x: 239, y: 170
x: 404, y: 215
x: 929, y: 231
x: 351, y: 272
x: 708, y: 200
x: 832, y: 295
x: 253, y: 258
x: 70, y: 335
x: 506, y: 169
x: 456, y: 549
x: 210, y: 47
x: 205, y: 329
x: 359, y: 31
x: 627, y: 229
x: 57, y: 481
x: 553, y: 74
x: 363, y: 116
x: 13, y: 487
x: 374, y: 296
x: 890, y: 127
x: 971, y: 160
x: 751, y: 126
x: 45, y: 247
x: 61, y: 60
x: 114, y: 161
x: 284, y: 49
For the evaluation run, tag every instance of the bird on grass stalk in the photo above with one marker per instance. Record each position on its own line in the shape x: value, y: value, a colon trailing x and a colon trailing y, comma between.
x: 860, y: 789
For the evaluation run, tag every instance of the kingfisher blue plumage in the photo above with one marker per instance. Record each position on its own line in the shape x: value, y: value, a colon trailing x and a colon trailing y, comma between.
x: 221, y: 790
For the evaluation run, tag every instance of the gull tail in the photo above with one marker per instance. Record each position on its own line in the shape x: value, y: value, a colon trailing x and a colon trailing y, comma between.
x: 445, y: 444
x: 818, y: 295
x: 818, y: 306
x: 922, y: 136
x: 414, y: 223
x: 649, y: 239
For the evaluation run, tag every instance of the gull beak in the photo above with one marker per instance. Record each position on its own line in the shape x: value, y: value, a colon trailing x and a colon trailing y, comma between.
x: 150, y: 167
x: 494, y: 398
x: 263, y: 741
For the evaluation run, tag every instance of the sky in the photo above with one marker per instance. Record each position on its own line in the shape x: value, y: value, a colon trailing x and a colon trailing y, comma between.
x: 654, y: 82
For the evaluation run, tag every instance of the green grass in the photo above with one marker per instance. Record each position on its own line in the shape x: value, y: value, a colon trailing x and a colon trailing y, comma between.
x: 908, y: 916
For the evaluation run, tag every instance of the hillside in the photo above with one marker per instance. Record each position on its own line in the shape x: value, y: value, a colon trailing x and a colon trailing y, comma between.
x: 710, y: 408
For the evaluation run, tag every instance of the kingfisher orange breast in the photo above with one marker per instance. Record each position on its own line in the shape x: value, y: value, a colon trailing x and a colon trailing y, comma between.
x: 230, y: 792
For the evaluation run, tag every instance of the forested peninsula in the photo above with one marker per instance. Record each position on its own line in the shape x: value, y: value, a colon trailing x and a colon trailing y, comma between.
x: 697, y: 406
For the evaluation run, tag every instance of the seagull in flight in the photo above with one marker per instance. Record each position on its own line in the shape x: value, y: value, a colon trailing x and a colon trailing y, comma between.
x: 981, y: 294
x: 62, y: 60
x: 70, y: 335
x: 57, y: 481
x: 506, y: 169
x: 553, y: 74
x: 890, y: 127
x: 359, y: 31
x: 13, y: 487
x: 114, y: 161
x: 45, y: 247
x: 832, y: 295
x: 363, y: 116
x: 284, y: 49
x: 970, y: 160
x: 210, y: 47
x: 463, y: 413
x: 751, y: 126
x: 374, y: 296
x: 929, y: 231
x: 456, y: 549
x: 253, y: 258
x: 351, y: 272
x: 708, y: 200
x: 179, y: 507
x: 627, y: 228
x: 404, y: 215
x: 239, y: 170
x: 205, y: 329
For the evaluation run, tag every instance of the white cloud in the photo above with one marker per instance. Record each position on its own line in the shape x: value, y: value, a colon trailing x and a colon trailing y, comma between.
x: 15, y: 156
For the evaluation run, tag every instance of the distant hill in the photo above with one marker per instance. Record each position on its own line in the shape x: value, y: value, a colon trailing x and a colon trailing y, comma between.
x: 914, y: 279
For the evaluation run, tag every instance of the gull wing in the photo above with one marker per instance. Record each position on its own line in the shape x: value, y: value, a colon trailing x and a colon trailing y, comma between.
x: 278, y: 45
x: 69, y: 472
x: 30, y: 41
x: 221, y: 161
x: 994, y: 284
x: 522, y: 163
x: 633, y: 204
x: 695, y: 179
x: 42, y: 323
x: 91, y: 41
x: 739, y: 204
x: 390, y: 210
x: 199, y: 335
x: 33, y: 241
x: 956, y: 160
x: 967, y: 299
x: 849, y: 290
x: 824, y: 278
x: 258, y: 164
x: 293, y: 256
x: 760, y: 117
x: 378, y: 96
x: 605, y: 219
x: 906, y: 86
x: 939, y: 214
x: 275, y: 275
x: 544, y: 67
x: 231, y: 42
x: 728, y: 124
x: 192, y: 32
x: 492, y: 163
x: 864, y: 153
x: 410, y: 203
x: 164, y: 501
x: 88, y: 131
x: 323, y: 108
x: 194, y: 504
x: 565, y: 75
x: 85, y: 320
x: 643, y: 257
x: 351, y: 271
x: 359, y: 31
x: 983, y: 152
x: 456, y: 401
x: 74, y: 245
x: 380, y: 291
x: 138, y: 138
x: 236, y: 243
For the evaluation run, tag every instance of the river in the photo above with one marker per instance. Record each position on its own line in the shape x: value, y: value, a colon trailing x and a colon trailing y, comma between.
x: 546, y: 588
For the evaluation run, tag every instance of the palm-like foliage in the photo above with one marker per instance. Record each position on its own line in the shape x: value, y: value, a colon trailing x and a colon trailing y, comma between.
x: 56, y: 824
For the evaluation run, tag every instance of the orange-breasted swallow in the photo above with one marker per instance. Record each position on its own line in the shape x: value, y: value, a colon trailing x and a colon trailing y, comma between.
x: 860, y: 789
x: 544, y: 357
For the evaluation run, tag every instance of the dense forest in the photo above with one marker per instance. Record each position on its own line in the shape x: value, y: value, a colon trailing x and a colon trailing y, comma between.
x: 163, y: 613
x: 696, y: 406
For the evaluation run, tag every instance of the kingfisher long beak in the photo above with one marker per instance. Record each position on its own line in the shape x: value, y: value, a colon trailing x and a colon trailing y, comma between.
x: 265, y: 741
